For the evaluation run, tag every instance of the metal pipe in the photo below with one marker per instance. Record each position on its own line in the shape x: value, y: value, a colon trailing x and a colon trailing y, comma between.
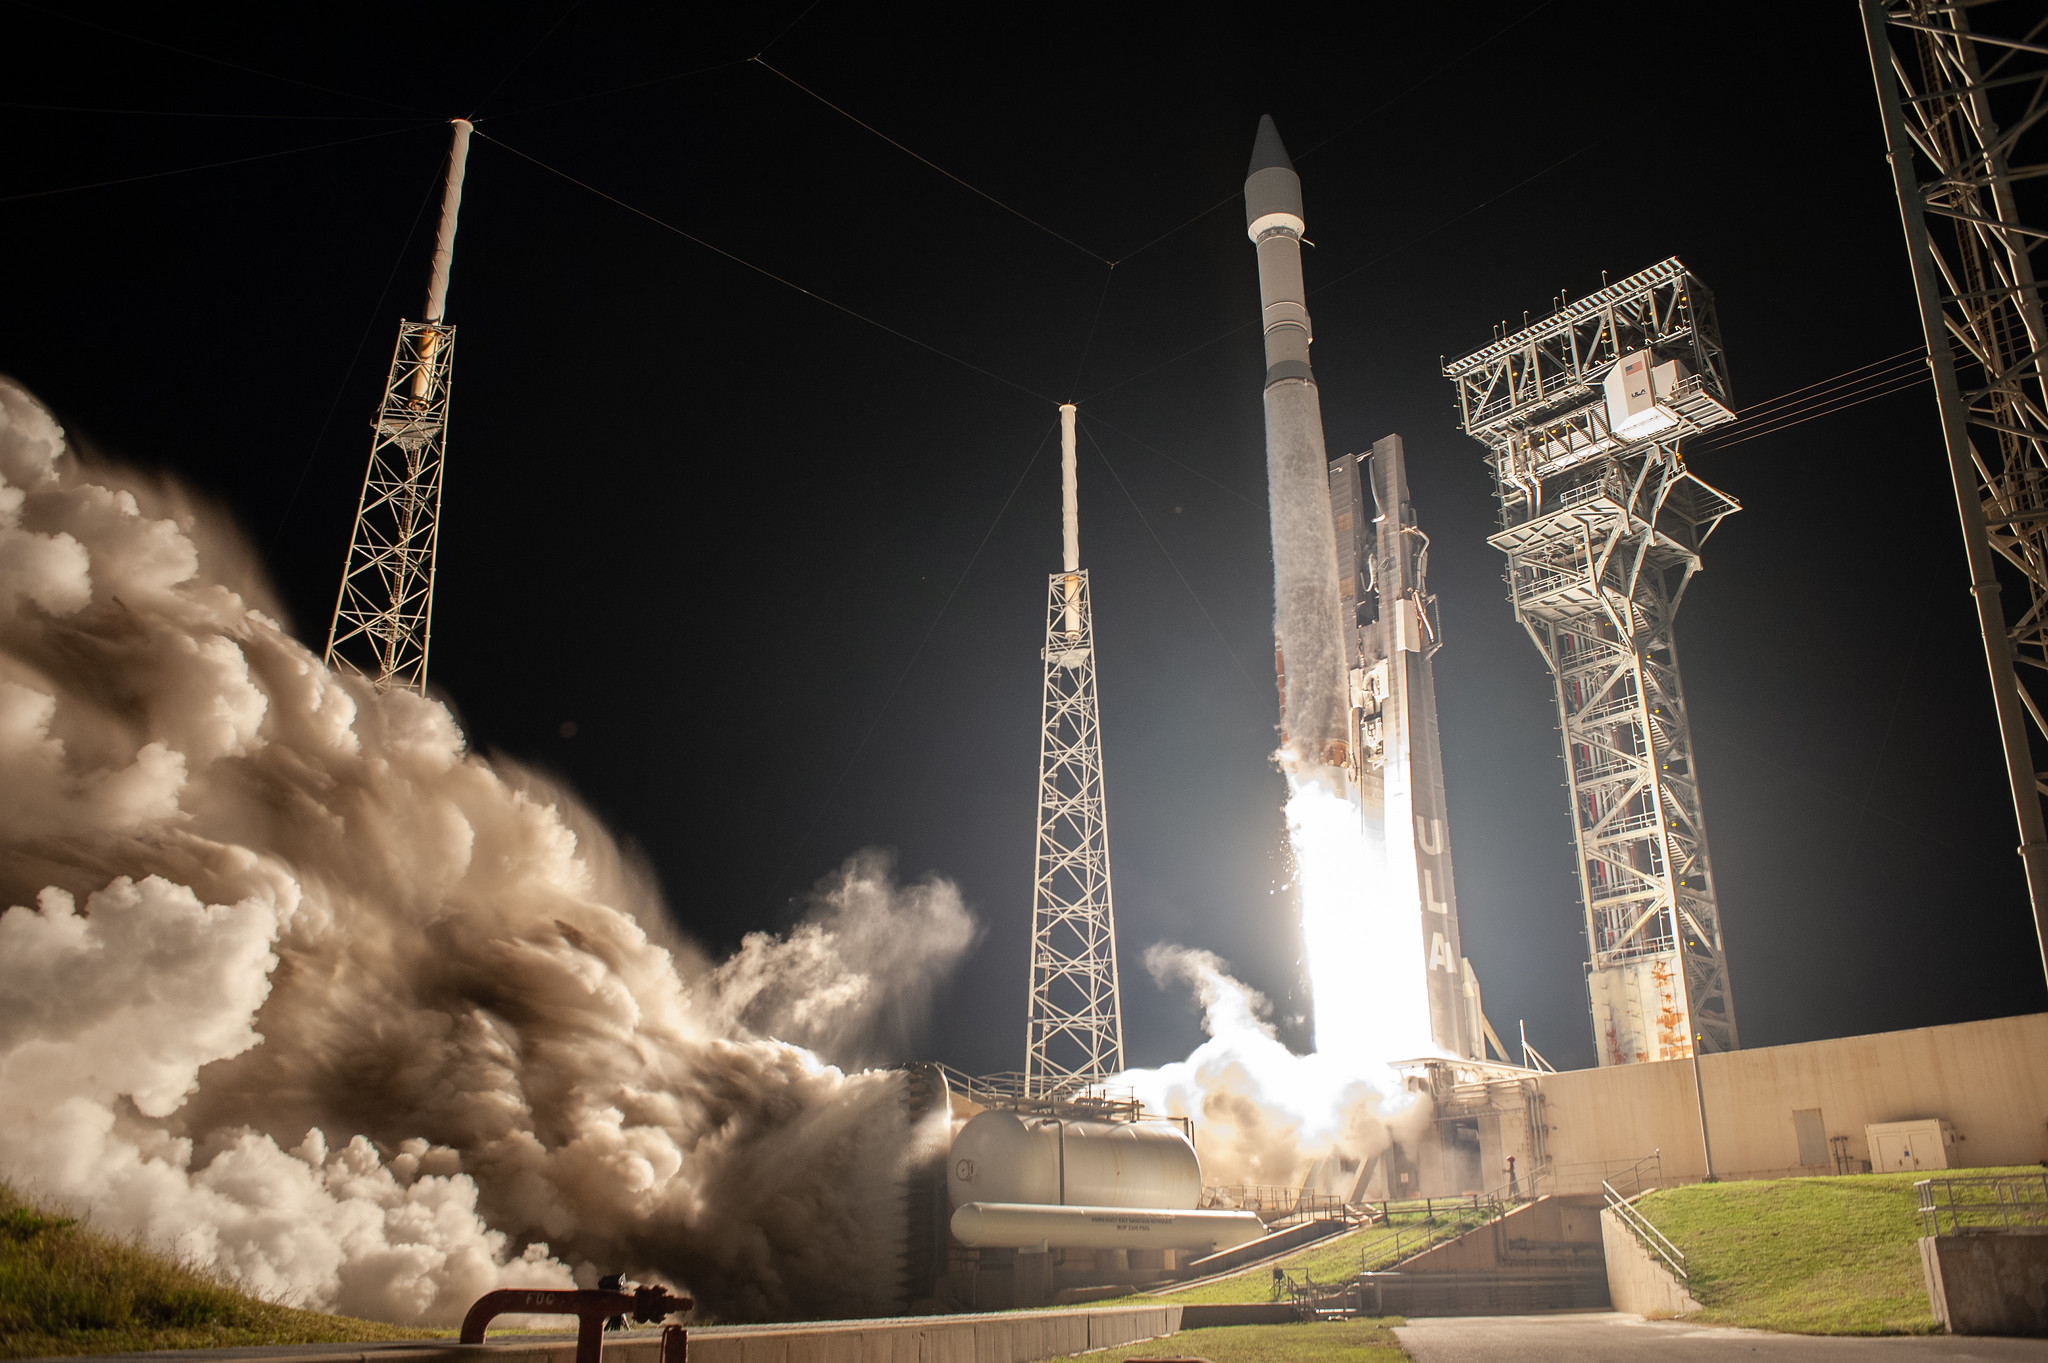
x: 1700, y: 1095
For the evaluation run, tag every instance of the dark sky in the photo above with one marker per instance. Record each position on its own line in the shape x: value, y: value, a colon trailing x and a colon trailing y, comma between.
x: 767, y: 557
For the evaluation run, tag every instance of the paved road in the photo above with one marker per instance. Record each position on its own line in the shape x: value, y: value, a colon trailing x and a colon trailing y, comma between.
x: 1615, y: 1337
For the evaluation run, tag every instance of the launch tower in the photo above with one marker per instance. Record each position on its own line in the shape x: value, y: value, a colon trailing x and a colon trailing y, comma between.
x: 385, y: 609
x: 1582, y: 414
x: 1076, y: 1028
x: 1968, y: 102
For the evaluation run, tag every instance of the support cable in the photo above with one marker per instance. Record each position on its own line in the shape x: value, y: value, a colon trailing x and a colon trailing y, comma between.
x: 665, y: 225
x: 919, y: 156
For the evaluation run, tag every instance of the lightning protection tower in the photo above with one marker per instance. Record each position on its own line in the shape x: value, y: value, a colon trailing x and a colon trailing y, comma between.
x: 1582, y: 415
x: 1966, y: 105
x: 385, y: 609
x: 1076, y: 1029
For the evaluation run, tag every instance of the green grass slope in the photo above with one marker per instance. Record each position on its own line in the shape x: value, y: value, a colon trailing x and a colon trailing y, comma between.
x: 1337, y: 1341
x: 1834, y: 1256
x: 68, y: 1289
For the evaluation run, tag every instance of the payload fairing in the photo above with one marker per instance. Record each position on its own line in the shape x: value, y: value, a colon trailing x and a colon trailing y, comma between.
x: 1354, y: 624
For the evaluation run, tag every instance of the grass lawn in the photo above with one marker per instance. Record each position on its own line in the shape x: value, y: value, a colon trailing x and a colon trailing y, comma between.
x: 68, y: 1289
x: 1335, y: 1341
x: 1837, y: 1256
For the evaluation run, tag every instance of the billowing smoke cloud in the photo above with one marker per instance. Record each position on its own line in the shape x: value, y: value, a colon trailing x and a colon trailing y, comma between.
x: 297, y: 986
x: 1263, y: 1114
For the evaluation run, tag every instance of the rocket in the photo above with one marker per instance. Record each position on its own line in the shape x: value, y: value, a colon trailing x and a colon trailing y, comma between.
x: 1356, y: 626
x: 1315, y: 702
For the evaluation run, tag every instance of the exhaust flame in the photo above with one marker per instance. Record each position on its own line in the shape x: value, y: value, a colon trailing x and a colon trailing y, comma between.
x: 1362, y: 943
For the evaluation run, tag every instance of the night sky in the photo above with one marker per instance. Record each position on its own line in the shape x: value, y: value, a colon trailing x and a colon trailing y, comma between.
x: 763, y: 581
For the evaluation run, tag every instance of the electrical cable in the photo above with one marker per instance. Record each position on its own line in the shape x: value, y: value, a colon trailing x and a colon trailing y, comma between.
x: 1913, y: 352
x: 1800, y: 420
x: 853, y: 757
x: 918, y: 156
x: 210, y: 165
x: 767, y: 273
x: 1773, y: 411
x: 1221, y: 638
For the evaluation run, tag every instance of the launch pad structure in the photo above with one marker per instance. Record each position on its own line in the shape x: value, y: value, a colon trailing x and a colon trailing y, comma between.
x: 1969, y: 104
x: 1075, y: 1030
x: 384, y: 612
x: 1582, y: 414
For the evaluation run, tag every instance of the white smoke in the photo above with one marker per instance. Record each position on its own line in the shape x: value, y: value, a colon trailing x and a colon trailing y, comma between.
x: 1263, y: 1114
x: 295, y: 985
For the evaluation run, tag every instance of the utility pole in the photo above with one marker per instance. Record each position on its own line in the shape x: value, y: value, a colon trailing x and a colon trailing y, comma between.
x: 1949, y: 94
x: 383, y: 614
x: 1075, y: 1033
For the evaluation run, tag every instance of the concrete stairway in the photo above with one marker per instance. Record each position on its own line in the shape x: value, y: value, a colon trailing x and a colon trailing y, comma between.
x: 1545, y: 1255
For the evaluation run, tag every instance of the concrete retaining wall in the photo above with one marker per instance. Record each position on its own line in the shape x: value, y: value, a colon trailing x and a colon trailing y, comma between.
x: 1988, y: 1284
x: 1637, y: 1280
x: 1985, y: 1077
x: 1008, y: 1337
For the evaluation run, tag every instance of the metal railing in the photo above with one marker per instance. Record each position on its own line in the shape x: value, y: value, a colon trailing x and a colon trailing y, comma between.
x: 1648, y: 1235
x: 1276, y: 1205
x: 1010, y: 1091
x: 1984, y: 1205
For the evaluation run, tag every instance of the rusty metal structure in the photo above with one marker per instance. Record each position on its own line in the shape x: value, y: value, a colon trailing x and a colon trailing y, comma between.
x: 1964, y: 136
x: 1582, y: 414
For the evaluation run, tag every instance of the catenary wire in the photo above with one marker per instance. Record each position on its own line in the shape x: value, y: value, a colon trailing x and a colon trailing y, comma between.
x: 767, y: 273
x: 1081, y: 367
x: 853, y: 757
x: 210, y: 165
x: 1251, y: 502
x: 1145, y: 521
x: 786, y: 29
x: 919, y: 156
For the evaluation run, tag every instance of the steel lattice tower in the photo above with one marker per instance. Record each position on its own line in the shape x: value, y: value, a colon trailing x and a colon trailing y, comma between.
x: 1582, y: 414
x: 1075, y: 1035
x: 1970, y: 105
x: 383, y: 614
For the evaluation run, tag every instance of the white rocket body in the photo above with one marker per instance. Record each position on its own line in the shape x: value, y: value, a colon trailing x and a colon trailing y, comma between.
x: 1308, y: 621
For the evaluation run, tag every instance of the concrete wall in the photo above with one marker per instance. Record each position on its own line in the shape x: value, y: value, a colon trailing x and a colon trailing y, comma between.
x: 1525, y: 1233
x: 1987, y: 1078
x: 1637, y: 1280
x: 1988, y: 1284
x: 1021, y: 1337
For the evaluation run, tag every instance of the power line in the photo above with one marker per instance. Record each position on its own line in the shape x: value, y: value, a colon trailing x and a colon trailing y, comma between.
x: 919, y: 156
x: 625, y: 89
x: 1801, y: 418
x: 767, y: 273
x: 1190, y: 468
x: 521, y: 63
x: 210, y: 165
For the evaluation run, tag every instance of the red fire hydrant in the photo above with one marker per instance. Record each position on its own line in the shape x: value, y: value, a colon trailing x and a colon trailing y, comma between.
x: 591, y: 1309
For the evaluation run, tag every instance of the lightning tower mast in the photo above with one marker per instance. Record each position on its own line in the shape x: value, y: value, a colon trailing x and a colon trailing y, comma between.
x: 1582, y: 414
x: 385, y: 609
x: 1970, y: 104
x: 1075, y: 1035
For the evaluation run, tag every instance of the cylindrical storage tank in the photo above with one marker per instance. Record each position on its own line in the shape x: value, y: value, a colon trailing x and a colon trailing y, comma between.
x: 998, y: 1225
x: 1015, y: 1157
